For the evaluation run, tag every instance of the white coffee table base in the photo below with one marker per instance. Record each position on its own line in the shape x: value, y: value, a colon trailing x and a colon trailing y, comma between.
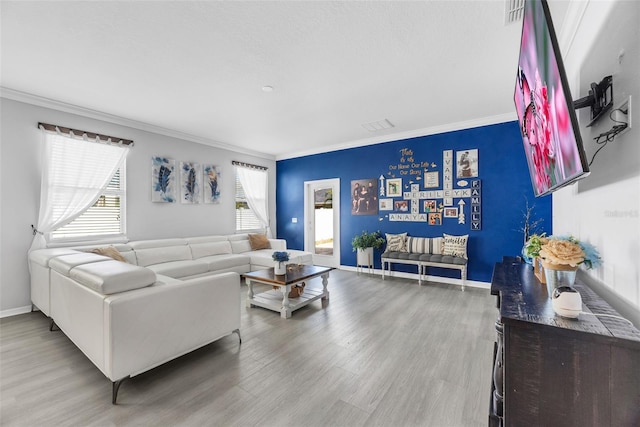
x: 278, y: 300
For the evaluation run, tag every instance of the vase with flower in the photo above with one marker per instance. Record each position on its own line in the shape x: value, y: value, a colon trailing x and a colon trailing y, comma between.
x: 280, y: 258
x: 560, y: 256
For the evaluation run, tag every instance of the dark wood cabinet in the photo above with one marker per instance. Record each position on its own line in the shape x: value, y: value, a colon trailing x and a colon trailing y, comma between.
x: 553, y: 371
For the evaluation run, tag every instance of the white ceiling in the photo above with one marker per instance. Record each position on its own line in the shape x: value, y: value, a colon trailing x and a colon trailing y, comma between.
x: 199, y: 67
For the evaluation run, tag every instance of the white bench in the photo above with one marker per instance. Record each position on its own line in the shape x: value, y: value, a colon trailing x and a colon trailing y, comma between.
x: 425, y: 252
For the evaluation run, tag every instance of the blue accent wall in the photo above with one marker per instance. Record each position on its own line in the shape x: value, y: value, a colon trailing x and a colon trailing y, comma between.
x: 502, y: 170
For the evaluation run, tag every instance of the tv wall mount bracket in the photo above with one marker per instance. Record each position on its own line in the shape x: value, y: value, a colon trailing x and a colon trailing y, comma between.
x: 600, y: 99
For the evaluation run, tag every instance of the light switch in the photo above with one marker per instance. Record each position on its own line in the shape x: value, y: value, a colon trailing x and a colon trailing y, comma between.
x: 294, y: 220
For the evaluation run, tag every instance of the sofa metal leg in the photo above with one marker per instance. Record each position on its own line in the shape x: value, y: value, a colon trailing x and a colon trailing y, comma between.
x: 115, y: 386
x: 53, y: 325
x: 237, y: 331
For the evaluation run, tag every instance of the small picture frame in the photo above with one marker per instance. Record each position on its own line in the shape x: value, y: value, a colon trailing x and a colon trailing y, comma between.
x: 435, y: 218
x: 386, y: 205
x: 401, y: 205
x: 394, y: 187
x: 451, y: 212
x: 431, y: 180
x: 430, y: 206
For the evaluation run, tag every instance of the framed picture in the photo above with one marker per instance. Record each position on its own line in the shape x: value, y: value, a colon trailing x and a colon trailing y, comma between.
x: 364, y: 196
x: 467, y: 161
x: 430, y: 206
x: 435, y: 219
x: 431, y: 180
x: 401, y: 205
x: 163, y: 180
x: 386, y: 205
x: 211, y: 183
x: 190, y: 178
x: 394, y: 187
x: 451, y: 212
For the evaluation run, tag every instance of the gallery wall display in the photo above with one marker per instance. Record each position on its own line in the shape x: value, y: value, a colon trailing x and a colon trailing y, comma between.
x: 197, y: 182
x: 411, y: 191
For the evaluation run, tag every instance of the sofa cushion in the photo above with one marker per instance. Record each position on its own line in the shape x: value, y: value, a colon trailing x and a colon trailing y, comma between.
x: 263, y: 257
x: 206, y: 239
x: 63, y: 264
x: 443, y: 259
x: 164, y: 280
x: 402, y: 256
x: 424, y: 245
x: 240, y: 246
x: 259, y: 241
x: 164, y: 254
x: 221, y: 262
x: 199, y: 250
x: 455, y: 245
x: 43, y: 256
x: 396, y: 242
x: 237, y: 237
x: 110, y: 277
x: 109, y: 251
x: 177, y: 269
x: 157, y: 243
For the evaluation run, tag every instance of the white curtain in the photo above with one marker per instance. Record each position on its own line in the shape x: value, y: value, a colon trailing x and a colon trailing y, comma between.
x: 254, y: 184
x: 75, y: 171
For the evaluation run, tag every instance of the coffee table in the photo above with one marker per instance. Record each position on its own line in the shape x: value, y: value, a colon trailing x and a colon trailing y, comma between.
x: 278, y: 300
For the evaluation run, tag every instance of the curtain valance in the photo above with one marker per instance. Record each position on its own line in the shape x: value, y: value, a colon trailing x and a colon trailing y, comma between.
x: 61, y: 130
x: 248, y: 165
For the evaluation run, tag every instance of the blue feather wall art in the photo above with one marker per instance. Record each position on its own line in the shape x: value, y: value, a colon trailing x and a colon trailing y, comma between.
x: 190, y: 176
x: 163, y: 178
x: 211, y: 183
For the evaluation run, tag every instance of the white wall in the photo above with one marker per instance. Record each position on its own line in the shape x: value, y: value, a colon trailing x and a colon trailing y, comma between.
x: 604, y: 208
x: 20, y: 161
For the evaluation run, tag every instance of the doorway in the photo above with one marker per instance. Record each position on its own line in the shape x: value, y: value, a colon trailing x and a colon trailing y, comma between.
x: 322, y: 221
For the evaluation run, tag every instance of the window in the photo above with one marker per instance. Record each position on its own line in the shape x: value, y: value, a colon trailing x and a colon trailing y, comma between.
x: 104, y: 219
x: 82, y: 196
x: 246, y: 219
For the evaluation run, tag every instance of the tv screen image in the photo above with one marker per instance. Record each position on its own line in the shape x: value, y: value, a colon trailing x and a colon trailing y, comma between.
x: 547, y: 118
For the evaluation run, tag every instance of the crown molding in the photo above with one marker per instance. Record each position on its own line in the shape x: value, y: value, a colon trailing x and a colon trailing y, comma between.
x: 450, y: 127
x: 40, y: 101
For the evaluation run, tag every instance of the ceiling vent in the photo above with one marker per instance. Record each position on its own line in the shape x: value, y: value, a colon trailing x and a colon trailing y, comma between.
x: 513, y: 10
x: 378, y: 126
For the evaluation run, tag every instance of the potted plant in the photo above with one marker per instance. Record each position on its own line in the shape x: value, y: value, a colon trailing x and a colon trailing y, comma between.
x: 364, y: 244
x: 280, y: 257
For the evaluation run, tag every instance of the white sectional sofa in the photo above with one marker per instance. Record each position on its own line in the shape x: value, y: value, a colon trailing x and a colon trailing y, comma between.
x: 171, y: 297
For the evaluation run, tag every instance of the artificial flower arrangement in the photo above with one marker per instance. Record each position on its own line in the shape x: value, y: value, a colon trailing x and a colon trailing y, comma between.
x: 563, y: 250
x: 280, y: 256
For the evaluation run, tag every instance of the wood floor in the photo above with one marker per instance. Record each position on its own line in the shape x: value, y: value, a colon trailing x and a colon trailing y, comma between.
x: 380, y: 353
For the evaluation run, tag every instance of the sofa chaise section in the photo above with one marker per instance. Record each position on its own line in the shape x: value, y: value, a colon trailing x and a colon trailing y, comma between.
x: 128, y: 320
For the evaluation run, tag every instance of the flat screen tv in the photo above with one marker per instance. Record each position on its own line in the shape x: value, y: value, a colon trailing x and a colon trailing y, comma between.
x: 550, y: 131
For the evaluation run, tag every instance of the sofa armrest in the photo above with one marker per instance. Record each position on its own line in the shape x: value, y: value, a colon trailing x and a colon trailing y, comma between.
x: 147, y: 327
x: 278, y: 244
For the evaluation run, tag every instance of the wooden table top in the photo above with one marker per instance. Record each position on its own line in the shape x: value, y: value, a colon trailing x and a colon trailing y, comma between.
x: 295, y: 273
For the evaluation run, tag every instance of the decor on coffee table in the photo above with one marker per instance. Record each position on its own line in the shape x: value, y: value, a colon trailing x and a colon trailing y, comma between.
x: 280, y: 257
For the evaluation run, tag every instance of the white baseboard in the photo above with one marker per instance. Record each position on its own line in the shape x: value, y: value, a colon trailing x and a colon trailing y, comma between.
x: 414, y: 276
x: 15, y: 311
